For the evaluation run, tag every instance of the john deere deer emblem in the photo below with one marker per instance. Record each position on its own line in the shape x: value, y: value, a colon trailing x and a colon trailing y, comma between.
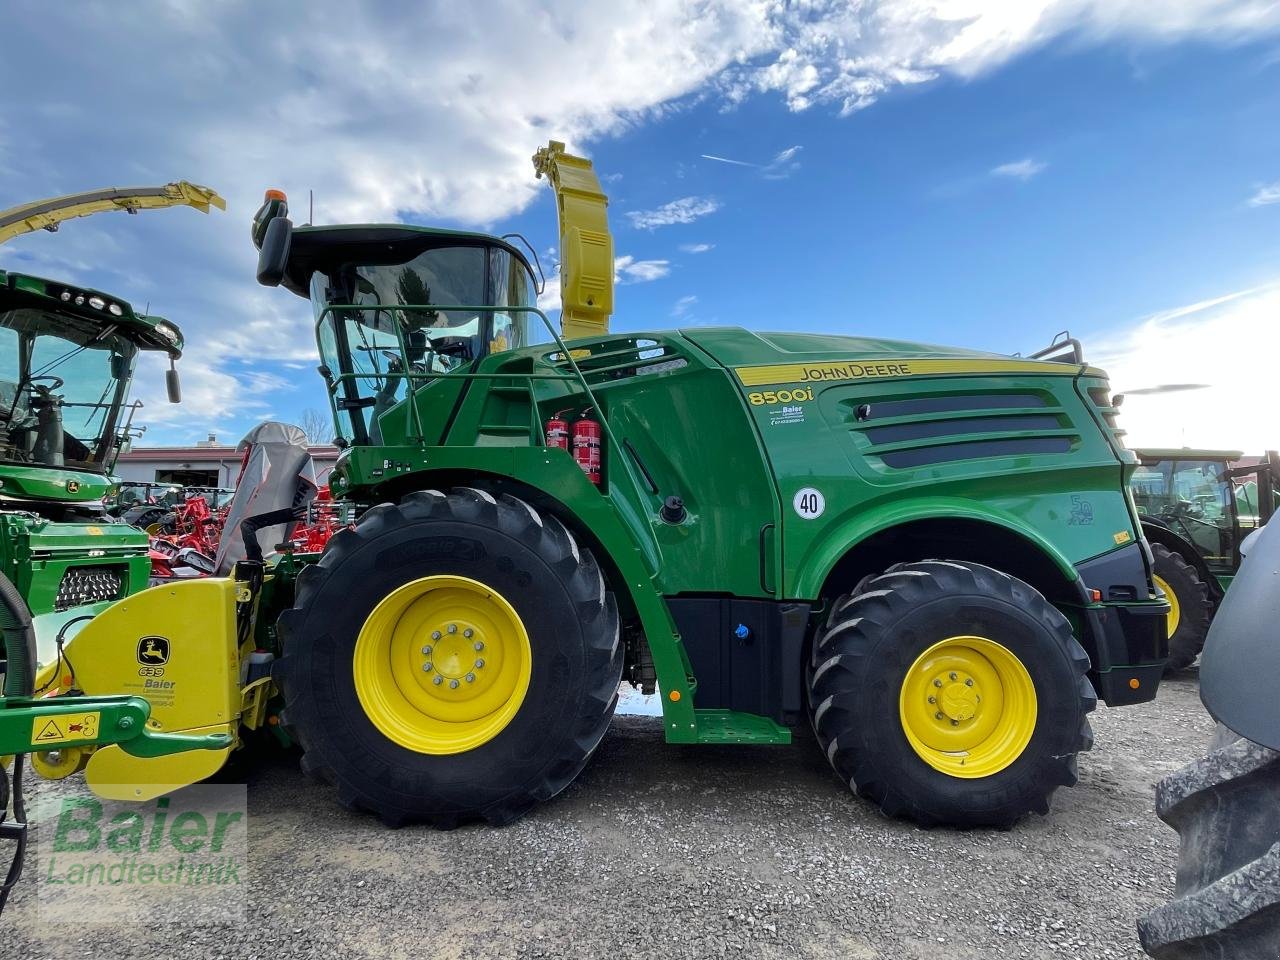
x: 153, y: 651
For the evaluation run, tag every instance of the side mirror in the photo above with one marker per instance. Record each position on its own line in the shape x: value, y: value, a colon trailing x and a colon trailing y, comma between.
x: 173, y: 385
x: 274, y: 255
x: 119, y: 367
x: 272, y: 235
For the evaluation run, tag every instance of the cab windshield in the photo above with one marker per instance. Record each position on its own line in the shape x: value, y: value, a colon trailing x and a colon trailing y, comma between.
x: 62, y: 383
x: 1193, y: 498
x: 390, y: 320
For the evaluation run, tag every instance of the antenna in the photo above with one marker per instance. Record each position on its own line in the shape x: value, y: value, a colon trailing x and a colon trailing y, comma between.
x: 311, y: 208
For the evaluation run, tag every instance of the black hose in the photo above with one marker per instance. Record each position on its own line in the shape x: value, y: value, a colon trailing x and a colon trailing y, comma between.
x: 19, y: 641
x: 17, y: 830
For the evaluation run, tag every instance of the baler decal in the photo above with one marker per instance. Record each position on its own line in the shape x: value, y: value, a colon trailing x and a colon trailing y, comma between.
x: 756, y: 376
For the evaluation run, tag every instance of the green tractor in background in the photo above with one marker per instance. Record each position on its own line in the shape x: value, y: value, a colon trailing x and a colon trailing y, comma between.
x: 1197, y: 506
x: 67, y: 359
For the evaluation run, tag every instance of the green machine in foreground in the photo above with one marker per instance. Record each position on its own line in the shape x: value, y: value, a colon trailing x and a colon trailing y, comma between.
x: 67, y: 360
x: 1197, y: 506
x: 927, y: 554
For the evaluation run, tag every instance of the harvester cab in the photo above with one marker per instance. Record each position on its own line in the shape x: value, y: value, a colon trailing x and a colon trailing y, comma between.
x: 400, y: 310
x: 68, y: 356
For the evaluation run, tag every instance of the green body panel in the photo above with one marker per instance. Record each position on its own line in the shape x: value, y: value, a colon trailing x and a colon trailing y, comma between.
x: 678, y: 420
x: 37, y: 553
x: 56, y: 485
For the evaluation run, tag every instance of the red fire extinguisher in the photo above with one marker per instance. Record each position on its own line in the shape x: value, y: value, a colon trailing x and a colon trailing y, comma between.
x: 558, y: 432
x: 586, y: 446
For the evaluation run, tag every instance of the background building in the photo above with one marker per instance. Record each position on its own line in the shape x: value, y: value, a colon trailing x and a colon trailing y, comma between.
x: 206, y: 464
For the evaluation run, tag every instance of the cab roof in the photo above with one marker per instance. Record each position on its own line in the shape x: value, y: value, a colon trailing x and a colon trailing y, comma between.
x: 314, y: 249
x: 1186, y: 453
x: 148, y: 331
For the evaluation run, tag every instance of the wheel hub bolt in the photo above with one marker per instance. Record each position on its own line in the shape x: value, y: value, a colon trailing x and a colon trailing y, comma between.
x: 426, y: 667
x: 453, y: 684
x: 435, y: 634
x: 437, y: 679
x: 955, y: 723
x: 426, y: 651
x: 479, y: 645
x: 468, y: 633
x: 933, y: 699
x: 938, y: 715
x: 471, y: 678
x: 453, y: 628
x: 969, y: 682
x: 937, y: 683
x: 479, y: 663
x: 952, y: 675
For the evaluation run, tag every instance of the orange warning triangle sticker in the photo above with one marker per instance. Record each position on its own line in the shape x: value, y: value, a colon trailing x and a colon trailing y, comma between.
x: 50, y: 732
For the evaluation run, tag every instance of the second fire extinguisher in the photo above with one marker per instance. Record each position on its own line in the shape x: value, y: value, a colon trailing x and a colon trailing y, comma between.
x: 586, y: 446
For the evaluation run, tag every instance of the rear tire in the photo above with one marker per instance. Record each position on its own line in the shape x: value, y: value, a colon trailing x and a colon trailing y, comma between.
x: 866, y: 677
x: 574, y: 656
x: 1192, y: 606
x: 1227, y: 895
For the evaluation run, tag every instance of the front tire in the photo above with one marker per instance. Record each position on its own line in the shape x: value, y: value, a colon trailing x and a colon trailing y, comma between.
x: 450, y: 659
x: 1189, y: 603
x: 951, y: 693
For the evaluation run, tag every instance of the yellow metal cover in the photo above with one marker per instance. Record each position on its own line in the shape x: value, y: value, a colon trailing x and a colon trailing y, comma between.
x: 175, y: 646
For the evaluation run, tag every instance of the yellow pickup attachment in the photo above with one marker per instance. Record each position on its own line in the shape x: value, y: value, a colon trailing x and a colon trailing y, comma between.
x: 47, y: 214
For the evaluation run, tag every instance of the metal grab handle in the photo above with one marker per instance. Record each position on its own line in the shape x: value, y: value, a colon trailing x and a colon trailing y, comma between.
x: 764, y: 561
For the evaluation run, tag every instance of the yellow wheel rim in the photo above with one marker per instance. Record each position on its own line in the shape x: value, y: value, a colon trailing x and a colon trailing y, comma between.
x: 968, y: 707
x: 442, y: 665
x: 1175, y: 608
x: 59, y: 764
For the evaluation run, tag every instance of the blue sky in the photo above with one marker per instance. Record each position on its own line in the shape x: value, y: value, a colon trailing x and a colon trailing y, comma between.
x: 979, y: 174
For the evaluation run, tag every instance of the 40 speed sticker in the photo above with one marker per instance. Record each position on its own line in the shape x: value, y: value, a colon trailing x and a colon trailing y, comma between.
x: 809, y: 503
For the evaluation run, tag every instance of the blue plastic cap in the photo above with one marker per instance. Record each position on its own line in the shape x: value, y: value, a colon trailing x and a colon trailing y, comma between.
x: 742, y: 631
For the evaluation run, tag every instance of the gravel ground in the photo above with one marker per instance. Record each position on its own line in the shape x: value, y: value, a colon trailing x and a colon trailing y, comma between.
x: 691, y: 852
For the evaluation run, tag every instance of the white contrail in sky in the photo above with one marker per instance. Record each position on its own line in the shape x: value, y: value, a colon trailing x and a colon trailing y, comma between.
x: 736, y: 163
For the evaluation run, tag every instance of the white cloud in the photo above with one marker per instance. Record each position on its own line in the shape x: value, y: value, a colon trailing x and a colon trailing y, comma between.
x: 1228, y: 342
x: 783, y: 164
x: 696, y: 247
x: 684, y: 210
x: 627, y: 269
x: 1267, y: 193
x: 1019, y: 170
x: 682, y: 306
x: 850, y: 54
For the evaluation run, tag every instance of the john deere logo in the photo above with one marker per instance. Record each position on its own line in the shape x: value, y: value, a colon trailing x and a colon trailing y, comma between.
x: 73, y: 486
x: 153, y: 651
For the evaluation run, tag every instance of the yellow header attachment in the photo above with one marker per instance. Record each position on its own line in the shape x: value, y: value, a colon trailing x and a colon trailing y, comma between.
x: 586, y: 246
x: 47, y: 214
